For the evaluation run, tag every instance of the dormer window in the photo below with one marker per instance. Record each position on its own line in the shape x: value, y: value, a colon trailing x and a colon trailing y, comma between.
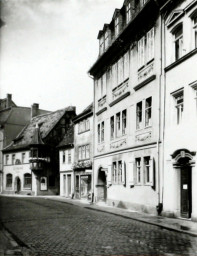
x: 178, y: 42
x: 128, y: 13
x: 117, y: 21
x: 101, y: 45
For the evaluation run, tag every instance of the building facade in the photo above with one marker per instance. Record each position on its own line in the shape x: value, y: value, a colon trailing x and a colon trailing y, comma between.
x: 83, y: 154
x: 31, y: 161
x: 127, y: 109
x: 66, y: 161
x: 13, y: 119
x: 180, y: 83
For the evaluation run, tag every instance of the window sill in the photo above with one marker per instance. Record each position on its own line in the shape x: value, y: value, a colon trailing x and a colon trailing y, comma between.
x: 143, y: 128
x: 101, y: 111
x: 142, y: 84
x: 182, y: 59
x: 119, y: 99
x: 84, y: 131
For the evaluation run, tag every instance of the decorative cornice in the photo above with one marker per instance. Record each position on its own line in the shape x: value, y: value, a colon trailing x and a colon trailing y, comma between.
x: 119, y: 99
x: 101, y: 111
x: 142, y: 84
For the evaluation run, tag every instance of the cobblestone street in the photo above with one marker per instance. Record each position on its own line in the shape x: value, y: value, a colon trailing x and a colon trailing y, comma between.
x: 50, y: 228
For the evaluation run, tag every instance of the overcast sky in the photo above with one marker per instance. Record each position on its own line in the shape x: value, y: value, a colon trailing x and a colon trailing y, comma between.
x: 47, y: 47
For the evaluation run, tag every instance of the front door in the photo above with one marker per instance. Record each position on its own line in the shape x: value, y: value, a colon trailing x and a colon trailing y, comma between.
x: 186, y: 192
x: 18, y: 184
x: 69, y: 185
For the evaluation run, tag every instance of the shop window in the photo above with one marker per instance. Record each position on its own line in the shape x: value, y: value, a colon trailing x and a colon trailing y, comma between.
x: 27, y: 180
x: 9, y: 180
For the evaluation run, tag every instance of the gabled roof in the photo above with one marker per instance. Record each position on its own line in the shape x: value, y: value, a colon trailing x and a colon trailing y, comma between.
x: 68, y: 139
x: 46, y: 123
x: 88, y: 111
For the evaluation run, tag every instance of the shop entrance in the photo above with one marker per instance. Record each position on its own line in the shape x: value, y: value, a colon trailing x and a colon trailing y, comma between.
x: 17, y: 185
x: 186, y: 192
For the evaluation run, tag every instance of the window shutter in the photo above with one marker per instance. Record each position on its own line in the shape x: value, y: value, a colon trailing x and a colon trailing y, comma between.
x: 151, y: 171
x: 123, y: 173
x: 109, y: 175
x: 126, y: 65
x: 131, y: 176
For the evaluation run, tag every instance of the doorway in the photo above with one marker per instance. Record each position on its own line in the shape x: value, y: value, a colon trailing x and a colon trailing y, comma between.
x: 101, y: 186
x: 186, y: 192
x: 17, y: 185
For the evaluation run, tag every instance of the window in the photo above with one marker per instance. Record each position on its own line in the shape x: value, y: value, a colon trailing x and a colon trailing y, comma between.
x: 138, y: 170
x: 23, y: 158
x: 84, y: 126
x: 13, y: 159
x: 101, y: 132
x: 63, y: 157
x: 195, y: 31
x: 84, y: 152
x: 27, y: 180
x: 178, y: 42
x: 147, y: 169
x: 118, y: 130
x: 139, y: 115
x: 148, y: 111
x: 6, y: 159
x: 124, y: 121
x: 128, y: 13
x: 116, y: 26
x: 69, y: 156
x: 117, y: 172
x: 9, y: 180
x: 179, y: 105
x: 144, y: 113
x: 146, y: 48
x: 112, y: 127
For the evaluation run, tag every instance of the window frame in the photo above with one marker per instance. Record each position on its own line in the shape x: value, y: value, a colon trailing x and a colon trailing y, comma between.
x: 23, y: 156
x: 178, y: 41
x: 7, y: 159
x: 117, y: 172
x: 13, y: 159
x: 27, y: 185
x: 128, y: 12
x: 9, y: 180
x: 178, y: 98
x: 148, y: 111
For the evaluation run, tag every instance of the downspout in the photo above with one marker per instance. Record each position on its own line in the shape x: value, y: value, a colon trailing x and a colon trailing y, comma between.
x: 93, y: 133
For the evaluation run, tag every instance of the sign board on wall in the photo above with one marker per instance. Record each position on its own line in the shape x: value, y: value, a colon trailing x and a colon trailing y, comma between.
x: 43, y: 183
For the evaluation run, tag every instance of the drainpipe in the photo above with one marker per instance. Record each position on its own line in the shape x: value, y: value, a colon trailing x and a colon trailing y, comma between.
x: 93, y: 133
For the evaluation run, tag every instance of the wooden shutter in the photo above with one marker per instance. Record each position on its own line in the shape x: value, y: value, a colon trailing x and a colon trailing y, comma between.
x: 126, y: 65
x: 131, y: 173
x: 123, y: 173
x: 109, y: 175
x: 151, y: 171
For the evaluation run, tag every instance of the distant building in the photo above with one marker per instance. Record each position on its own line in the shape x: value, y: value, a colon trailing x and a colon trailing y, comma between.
x: 31, y: 161
x: 66, y: 161
x: 13, y: 119
x: 83, y: 155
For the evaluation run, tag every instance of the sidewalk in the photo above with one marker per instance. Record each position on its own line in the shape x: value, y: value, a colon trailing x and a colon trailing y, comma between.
x: 179, y: 225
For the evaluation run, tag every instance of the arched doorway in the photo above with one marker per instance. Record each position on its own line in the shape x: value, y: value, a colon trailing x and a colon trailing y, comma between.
x: 183, y: 160
x: 101, y: 185
x: 17, y: 184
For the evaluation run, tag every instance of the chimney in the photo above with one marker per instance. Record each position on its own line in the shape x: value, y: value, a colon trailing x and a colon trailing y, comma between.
x: 9, y: 100
x: 34, y: 110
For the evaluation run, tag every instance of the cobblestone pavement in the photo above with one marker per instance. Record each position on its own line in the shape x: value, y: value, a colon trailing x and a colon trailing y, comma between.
x: 50, y: 228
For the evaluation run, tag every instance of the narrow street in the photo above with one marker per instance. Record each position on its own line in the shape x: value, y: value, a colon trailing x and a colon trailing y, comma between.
x: 50, y: 228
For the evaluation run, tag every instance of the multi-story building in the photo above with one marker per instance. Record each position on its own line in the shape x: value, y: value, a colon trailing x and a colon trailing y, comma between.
x: 12, y: 120
x: 127, y: 107
x: 179, y: 32
x: 83, y: 143
x: 66, y: 161
x: 31, y: 161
